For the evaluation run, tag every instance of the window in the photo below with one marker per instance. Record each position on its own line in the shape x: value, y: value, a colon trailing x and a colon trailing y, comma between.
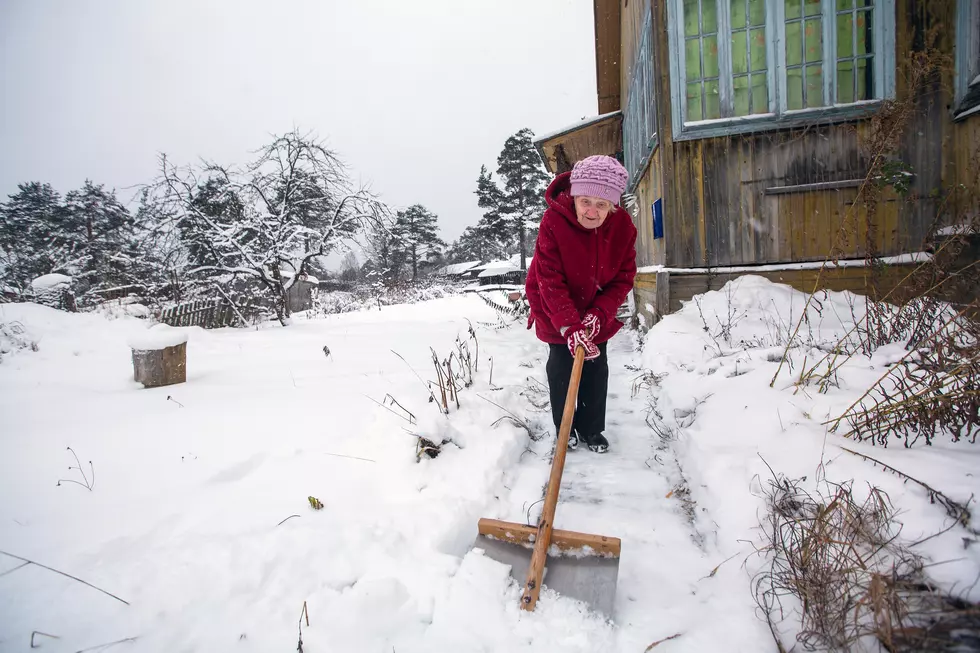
x: 640, y: 119
x: 967, y: 57
x: 738, y: 63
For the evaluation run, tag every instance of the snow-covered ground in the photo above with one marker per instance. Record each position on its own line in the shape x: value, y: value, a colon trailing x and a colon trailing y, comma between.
x: 199, y: 519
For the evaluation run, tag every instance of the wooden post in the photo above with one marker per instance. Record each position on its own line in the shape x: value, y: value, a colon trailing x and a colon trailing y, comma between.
x: 159, y: 357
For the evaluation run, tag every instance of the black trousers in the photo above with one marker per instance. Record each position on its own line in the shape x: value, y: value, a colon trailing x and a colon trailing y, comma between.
x: 590, y: 412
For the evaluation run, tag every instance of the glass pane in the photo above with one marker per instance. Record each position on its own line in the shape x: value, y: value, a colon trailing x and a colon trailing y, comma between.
x: 738, y: 14
x: 865, y: 86
x: 866, y: 3
x: 814, y: 86
x: 792, y: 9
x: 845, y: 81
x: 709, y: 16
x: 845, y: 37
x: 794, y: 44
x: 741, y: 87
x: 760, y: 94
x: 740, y: 57
x: 845, y: 4
x: 814, y: 40
x: 757, y: 12
x: 812, y: 7
x: 710, y: 45
x: 864, y: 23
x: 758, y: 49
x: 712, y: 100
x: 692, y: 59
x: 691, y: 18
x: 694, y: 101
x: 794, y: 88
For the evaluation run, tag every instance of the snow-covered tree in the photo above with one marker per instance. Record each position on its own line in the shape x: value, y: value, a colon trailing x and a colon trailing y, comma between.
x: 92, y: 234
x: 525, y: 180
x: 266, y: 223
x: 493, y: 226
x: 27, y: 221
x: 416, y: 230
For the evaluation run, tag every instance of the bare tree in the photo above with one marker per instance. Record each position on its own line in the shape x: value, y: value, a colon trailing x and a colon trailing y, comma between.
x: 267, y: 222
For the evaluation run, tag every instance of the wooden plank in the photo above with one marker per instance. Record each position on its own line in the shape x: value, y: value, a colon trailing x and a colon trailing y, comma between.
x: 522, y: 534
x: 702, y: 238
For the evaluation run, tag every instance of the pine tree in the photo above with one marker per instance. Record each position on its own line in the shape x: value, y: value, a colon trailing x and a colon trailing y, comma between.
x: 525, y: 181
x: 27, y: 221
x: 493, y: 226
x: 95, y: 229
x: 416, y: 230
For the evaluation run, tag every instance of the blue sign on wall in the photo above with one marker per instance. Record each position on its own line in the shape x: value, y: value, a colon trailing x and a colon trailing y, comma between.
x: 658, y: 219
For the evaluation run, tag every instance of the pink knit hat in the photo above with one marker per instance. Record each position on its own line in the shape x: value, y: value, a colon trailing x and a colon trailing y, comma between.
x: 599, y: 176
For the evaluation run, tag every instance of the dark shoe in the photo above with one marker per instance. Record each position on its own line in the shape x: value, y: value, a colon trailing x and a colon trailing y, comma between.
x: 596, y: 442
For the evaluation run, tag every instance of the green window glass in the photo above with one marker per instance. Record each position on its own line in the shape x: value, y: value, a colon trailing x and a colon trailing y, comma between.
x: 804, y: 53
x: 855, y: 51
x: 701, y: 70
x: 749, y: 64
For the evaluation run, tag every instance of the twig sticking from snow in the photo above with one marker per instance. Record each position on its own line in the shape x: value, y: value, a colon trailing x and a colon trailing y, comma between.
x: 410, y: 419
x: 954, y: 508
x: 38, y: 632
x: 169, y: 398
x: 513, y: 418
x: 286, y: 519
x: 86, y: 484
x: 102, y: 647
x: 428, y: 389
x: 661, y: 641
x: 63, y: 574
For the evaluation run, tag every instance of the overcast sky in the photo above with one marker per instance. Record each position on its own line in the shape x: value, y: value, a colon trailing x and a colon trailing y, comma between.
x: 413, y: 94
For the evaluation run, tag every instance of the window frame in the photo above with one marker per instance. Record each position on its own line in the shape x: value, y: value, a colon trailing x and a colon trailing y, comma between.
x: 967, y: 93
x: 641, y: 104
x: 778, y: 116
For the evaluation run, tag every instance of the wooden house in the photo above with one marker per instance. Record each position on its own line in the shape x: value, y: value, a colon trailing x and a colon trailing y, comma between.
x: 749, y: 127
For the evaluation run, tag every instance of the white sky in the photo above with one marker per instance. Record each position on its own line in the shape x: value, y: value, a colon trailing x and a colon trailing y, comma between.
x: 414, y: 94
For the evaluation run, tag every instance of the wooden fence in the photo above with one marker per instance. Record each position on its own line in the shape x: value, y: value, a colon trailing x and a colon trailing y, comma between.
x: 207, y: 314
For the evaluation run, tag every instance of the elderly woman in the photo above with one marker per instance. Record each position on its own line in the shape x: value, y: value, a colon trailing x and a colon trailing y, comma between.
x: 582, y: 270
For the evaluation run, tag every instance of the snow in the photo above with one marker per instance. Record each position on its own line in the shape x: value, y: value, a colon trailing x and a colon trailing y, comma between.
x: 901, y: 259
x: 199, y: 516
x: 497, y: 270
x: 458, y: 268
x: 160, y: 336
x: 584, y: 122
x: 50, y: 282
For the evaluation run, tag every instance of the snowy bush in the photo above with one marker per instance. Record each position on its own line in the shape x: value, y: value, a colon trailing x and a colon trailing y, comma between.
x: 13, y: 338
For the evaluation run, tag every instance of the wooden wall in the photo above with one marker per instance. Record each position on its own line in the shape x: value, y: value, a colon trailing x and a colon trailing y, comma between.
x: 649, y: 251
x: 726, y: 201
x: 602, y: 137
x: 607, y: 45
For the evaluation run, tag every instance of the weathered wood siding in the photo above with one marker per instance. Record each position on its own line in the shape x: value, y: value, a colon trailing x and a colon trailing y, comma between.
x: 607, y: 45
x: 649, y: 251
x: 726, y: 200
x: 602, y: 137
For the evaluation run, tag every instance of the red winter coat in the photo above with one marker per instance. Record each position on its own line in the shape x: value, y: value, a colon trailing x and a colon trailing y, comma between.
x: 575, y: 269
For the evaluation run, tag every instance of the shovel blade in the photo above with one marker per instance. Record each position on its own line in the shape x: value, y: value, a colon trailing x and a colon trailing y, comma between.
x: 587, y: 578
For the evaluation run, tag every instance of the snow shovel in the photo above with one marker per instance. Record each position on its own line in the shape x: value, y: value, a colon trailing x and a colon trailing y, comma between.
x: 579, y: 565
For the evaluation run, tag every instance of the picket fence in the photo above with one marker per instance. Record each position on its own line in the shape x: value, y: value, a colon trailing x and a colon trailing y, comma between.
x: 207, y: 314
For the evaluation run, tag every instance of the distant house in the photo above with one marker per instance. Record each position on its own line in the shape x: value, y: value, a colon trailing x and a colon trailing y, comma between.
x: 457, y: 270
x: 743, y: 125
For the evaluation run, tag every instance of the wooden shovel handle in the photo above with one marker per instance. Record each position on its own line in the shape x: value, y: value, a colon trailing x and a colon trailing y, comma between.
x: 532, y: 586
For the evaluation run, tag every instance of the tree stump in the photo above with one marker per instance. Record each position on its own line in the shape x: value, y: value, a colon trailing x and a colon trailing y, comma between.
x: 160, y: 357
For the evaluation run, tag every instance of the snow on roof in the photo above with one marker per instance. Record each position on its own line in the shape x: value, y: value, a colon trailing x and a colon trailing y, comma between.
x: 497, y: 270
x: 49, y: 281
x: 459, y: 268
x: 585, y: 122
